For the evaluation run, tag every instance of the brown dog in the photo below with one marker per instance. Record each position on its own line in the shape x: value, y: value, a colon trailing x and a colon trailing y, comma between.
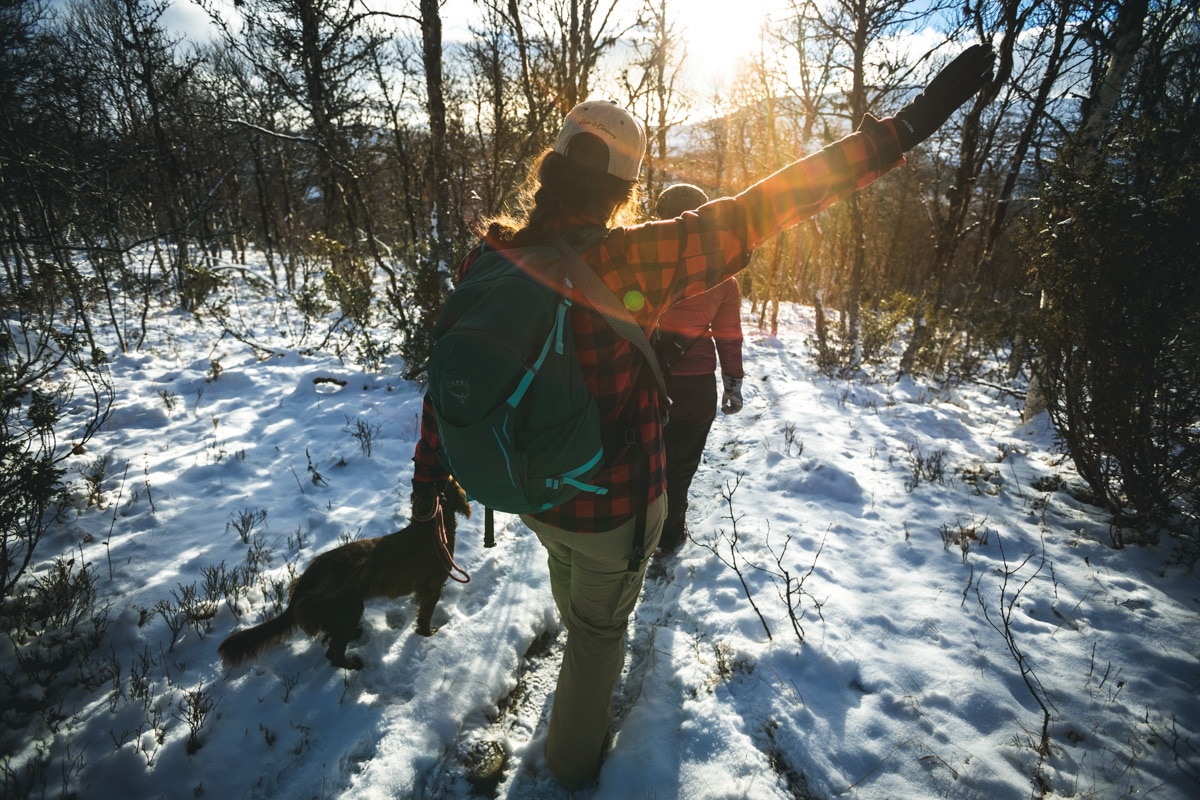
x: 328, y: 596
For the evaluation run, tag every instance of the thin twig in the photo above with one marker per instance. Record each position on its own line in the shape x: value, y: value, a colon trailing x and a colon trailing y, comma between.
x: 727, y: 494
x: 1032, y: 682
x: 112, y: 524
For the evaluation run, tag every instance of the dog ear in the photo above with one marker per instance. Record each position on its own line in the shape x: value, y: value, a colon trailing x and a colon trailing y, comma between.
x: 456, y: 498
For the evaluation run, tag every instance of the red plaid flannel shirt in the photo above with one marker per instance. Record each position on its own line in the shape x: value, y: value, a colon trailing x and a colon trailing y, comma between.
x: 653, y: 265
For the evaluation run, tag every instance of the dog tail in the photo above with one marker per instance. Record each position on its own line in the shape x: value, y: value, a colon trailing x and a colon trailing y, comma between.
x: 253, y: 641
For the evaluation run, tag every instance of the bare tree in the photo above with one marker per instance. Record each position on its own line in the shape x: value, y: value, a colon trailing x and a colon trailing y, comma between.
x: 544, y: 98
x: 851, y: 31
x: 124, y: 59
x: 810, y: 76
x: 652, y: 84
x: 240, y: 106
x: 1121, y: 46
x: 586, y: 29
x: 318, y: 54
x: 51, y: 367
x: 434, y: 262
x: 437, y: 169
x: 499, y: 98
x: 399, y: 87
x: 777, y: 125
x: 1040, y: 65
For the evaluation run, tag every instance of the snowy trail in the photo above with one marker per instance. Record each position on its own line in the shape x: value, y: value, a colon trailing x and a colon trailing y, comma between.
x: 899, y: 686
x: 518, y: 723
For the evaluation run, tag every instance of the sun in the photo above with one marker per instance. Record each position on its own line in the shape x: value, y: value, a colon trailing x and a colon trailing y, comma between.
x: 720, y: 34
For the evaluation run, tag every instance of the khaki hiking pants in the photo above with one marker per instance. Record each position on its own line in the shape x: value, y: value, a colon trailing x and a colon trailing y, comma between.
x: 595, y: 594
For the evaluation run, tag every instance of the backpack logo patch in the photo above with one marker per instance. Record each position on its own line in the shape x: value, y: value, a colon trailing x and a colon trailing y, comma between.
x: 459, y: 389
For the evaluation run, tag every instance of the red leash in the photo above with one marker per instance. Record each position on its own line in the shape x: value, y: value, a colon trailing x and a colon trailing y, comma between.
x: 444, y: 542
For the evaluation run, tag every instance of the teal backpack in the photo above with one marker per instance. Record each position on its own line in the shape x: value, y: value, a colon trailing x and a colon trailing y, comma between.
x: 518, y: 427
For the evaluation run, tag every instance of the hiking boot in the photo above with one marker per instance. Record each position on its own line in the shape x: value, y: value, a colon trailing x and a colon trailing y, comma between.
x: 674, y: 534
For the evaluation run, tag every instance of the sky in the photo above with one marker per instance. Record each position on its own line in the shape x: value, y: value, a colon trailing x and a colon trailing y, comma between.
x: 926, y: 533
x: 717, y: 34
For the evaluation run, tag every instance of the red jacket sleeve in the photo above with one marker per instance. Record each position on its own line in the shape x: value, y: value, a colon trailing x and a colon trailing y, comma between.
x: 427, y: 467
x: 727, y: 329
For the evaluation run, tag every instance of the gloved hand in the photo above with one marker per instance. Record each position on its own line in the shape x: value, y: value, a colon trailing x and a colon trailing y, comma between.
x: 950, y: 88
x: 731, y: 400
x: 425, y: 498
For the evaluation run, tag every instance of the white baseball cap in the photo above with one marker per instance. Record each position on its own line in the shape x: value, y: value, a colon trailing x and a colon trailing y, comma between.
x: 620, y: 132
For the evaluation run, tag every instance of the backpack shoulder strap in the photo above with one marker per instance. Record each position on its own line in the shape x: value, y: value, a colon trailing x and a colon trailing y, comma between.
x: 606, y: 302
x: 532, y: 255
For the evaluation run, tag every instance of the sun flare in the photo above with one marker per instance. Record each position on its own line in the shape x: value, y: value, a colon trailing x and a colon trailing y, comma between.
x: 719, y: 34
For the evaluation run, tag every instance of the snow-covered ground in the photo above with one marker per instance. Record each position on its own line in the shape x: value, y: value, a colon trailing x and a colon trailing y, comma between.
x: 887, y: 584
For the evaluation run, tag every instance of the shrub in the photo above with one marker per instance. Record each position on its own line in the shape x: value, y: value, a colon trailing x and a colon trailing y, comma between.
x: 1118, y: 337
x: 30, y: 484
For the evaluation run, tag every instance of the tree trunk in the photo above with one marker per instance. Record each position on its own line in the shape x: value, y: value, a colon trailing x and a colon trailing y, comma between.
x: 1126, y: 41
x: 437, y: 171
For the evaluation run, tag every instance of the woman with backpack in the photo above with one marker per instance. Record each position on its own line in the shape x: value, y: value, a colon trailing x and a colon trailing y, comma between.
x: 598, y: 544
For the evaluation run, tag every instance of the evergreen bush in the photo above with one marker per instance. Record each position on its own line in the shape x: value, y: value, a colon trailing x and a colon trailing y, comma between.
x: 1118, y: 336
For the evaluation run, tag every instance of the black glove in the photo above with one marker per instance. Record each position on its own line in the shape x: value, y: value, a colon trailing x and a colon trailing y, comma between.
x: 953, y: 86
x: 425, y: 498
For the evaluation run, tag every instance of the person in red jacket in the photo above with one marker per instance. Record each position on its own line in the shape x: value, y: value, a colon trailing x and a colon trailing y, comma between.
x: 692, y: 337
x: 594, y: 543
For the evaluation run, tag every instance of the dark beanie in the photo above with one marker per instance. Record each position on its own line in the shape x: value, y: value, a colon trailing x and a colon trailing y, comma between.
x: 679, y: 198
